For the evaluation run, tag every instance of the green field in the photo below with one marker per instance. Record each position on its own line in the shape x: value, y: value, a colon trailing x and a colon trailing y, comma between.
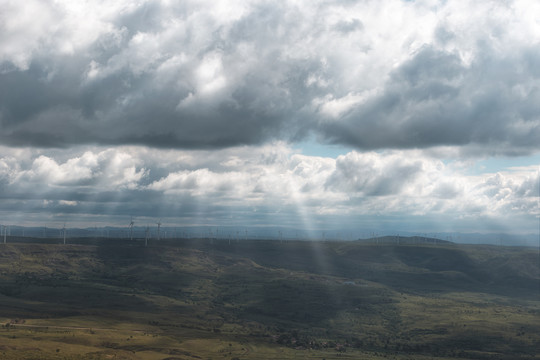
x: 202, y: 299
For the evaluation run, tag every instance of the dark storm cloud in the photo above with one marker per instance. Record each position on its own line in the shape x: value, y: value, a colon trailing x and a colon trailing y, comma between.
x: 434, y: 99
x: 141, y: 85
x: 194, y: 76
x: 59, y: 112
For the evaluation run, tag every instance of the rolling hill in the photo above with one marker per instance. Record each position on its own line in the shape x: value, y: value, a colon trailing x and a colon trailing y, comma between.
x: 216, y: 299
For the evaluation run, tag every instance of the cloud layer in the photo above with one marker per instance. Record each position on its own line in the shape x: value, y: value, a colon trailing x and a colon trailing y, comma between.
x: 200, y: 75
x: 262, y: 185
x: 197, y: 112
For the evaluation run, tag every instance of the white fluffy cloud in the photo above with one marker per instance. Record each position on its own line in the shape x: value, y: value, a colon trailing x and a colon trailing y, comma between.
x: 271, y: 181
x: 109, y: 169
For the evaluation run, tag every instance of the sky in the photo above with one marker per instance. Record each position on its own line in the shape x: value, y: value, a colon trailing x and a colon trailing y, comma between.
x: 418, y: 116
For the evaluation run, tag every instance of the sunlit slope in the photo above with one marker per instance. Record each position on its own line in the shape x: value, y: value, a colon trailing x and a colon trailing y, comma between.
x: 297, y: 299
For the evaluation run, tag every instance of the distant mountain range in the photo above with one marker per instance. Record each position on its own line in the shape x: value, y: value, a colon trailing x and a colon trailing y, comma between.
x: 275, y: 233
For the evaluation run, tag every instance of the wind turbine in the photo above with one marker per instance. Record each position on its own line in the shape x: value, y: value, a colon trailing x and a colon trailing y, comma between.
x: 64, y: 230
x: 131, y: 229
x: 158, y: 227
x: 146, y: 235
x: 5, y: 232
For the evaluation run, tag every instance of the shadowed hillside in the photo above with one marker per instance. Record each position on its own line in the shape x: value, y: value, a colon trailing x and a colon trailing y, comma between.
x: 213, y: 298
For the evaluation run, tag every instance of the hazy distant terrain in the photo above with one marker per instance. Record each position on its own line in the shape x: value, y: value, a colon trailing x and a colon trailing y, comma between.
x: 54, y: 235
x: 404, y: 298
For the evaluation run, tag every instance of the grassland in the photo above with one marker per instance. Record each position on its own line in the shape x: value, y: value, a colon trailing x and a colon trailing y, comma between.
x: 201, y: 299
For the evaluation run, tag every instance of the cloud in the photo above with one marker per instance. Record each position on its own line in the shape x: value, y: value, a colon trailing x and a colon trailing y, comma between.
x: 269, y: 184
x: 347, y: 26
x: 434, y: 99
x: 199, y: 75
x: 190, y: 110
x: 78, y: 178
x: 373, y: 175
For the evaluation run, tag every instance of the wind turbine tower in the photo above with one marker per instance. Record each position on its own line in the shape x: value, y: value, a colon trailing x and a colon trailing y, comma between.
x: 131, y: 229
x: 146, y: 235
x: 5, y: 232
x: 64, y: 231
x: 158, y: 227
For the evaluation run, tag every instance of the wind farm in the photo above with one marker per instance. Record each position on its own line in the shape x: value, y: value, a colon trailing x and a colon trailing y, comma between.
x: 256, y: 297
